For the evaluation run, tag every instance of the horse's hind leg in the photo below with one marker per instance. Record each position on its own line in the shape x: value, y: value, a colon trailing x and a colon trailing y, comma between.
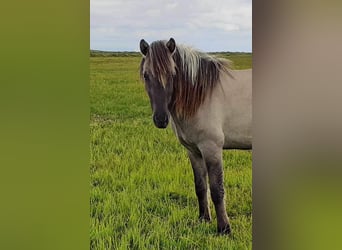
x: 200, y: 177
x: 212, y: 155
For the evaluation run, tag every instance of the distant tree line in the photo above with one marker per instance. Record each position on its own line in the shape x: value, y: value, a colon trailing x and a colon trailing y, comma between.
x: 99, y: 53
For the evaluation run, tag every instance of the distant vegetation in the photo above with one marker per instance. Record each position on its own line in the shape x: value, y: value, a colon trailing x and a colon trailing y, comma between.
x: 99, y: 53
x: 240, y: 60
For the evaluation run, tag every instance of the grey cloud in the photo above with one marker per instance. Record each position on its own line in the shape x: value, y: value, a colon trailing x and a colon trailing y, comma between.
x: 210, y: 25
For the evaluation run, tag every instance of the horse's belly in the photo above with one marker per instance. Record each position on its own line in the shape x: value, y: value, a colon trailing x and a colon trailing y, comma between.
x: 234, y: 144
x: 238, y: 140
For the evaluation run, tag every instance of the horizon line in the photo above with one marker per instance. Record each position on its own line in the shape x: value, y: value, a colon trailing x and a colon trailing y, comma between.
x: 135, y: 51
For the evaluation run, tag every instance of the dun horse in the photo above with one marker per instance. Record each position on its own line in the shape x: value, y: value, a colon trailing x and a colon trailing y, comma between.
x: 209, y: 106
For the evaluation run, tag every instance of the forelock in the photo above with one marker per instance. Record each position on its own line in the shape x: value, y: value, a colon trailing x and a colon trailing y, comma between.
x: 159, y: 62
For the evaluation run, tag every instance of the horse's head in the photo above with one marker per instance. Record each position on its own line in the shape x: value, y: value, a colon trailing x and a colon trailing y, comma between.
x: 157, y: 70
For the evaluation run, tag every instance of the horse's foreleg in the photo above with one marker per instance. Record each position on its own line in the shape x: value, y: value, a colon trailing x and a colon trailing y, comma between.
x: 201, y: 187
x: 213, y: 160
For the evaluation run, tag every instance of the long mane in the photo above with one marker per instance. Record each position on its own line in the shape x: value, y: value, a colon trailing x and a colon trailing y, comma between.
x: 194, y: 75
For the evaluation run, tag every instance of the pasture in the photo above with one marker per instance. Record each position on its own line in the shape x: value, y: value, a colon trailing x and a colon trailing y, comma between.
x: 142, y: 193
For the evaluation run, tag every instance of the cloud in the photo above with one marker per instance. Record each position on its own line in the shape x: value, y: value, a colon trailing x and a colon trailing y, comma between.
x: 210, y: 25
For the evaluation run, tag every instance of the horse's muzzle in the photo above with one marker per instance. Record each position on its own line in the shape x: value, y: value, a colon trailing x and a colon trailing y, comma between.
x: 161, y: 120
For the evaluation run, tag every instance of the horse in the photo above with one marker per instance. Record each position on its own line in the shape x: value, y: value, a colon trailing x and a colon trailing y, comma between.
x: 210, y: 109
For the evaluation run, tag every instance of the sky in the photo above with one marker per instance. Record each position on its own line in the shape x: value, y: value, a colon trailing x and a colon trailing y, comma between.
x: 208, y: 25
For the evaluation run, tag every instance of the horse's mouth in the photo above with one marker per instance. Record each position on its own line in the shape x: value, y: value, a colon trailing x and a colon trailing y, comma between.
x: 161, y: 125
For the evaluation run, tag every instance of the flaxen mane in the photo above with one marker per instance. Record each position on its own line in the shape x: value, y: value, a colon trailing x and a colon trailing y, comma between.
x: 194, y: 75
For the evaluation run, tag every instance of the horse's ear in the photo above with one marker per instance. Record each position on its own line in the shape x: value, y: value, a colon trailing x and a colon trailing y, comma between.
x: 171, y: 45
x: 144, y: 47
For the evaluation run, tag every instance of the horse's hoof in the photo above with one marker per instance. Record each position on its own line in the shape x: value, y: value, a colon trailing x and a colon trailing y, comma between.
x: 224, y: 230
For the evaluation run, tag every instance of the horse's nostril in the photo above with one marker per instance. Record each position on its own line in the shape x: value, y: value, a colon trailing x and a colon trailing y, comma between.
x: 154, y: 118
x: 160, y: 118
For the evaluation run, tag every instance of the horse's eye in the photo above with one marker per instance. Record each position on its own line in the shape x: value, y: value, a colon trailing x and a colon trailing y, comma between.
x: 146, y: 77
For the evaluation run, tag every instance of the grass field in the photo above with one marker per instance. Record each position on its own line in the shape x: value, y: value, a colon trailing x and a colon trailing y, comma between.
x: 142, y: 191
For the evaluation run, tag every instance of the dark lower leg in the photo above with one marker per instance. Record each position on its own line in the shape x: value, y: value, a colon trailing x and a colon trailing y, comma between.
x: 217, y: 195
x: 201, y: 186
x: 201, y: 192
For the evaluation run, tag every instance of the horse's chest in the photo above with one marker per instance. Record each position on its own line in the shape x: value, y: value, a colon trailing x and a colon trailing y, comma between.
x: 185, y: 138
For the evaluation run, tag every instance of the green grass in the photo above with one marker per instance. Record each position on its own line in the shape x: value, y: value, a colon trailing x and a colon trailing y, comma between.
x: 142, y: 192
